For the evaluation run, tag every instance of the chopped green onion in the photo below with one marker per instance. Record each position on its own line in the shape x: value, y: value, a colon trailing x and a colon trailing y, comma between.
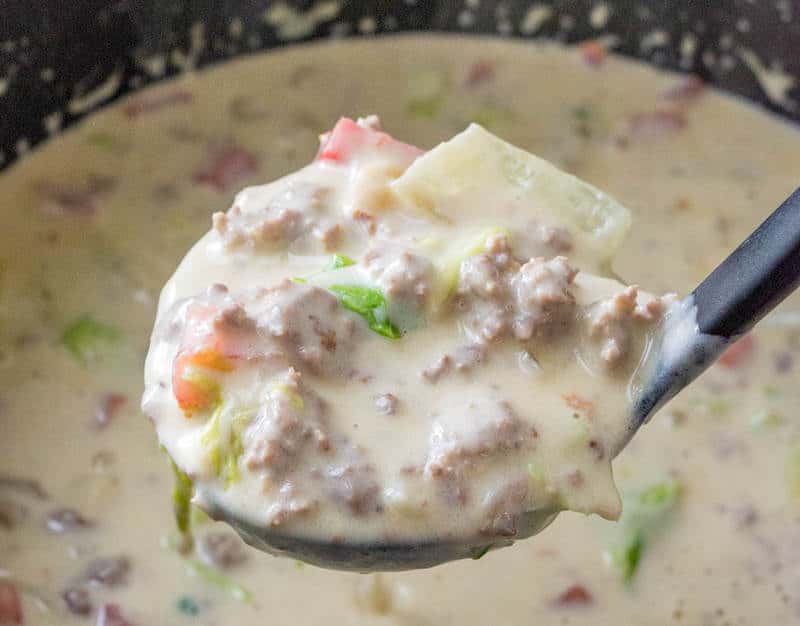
x: 370, y: 304
x: 87, y: 340
x: 644, y: 513
x: 625, y: 557
x: 219, y: 580
x: 583, y: 118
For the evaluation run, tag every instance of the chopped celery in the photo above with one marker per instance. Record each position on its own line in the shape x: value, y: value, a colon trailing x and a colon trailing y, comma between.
x: 295, y: 399
x: 87, y: 340
x: 219, y: 579
x: 210, y: 440
x: 181, y: 505
x: 370, y: 304
x: 490, y: 116
x: 643, y: 515
x: 427, y: 89
x: 448, y: 266
x: 765, y: 419
x: 715, y: 407
x: 222, y: 438
x: 427, y: 109
x: 199, y: 517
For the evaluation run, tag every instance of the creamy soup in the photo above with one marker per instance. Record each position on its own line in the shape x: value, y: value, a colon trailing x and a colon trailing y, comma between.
x: 99, y: 219
x: 454, y: 379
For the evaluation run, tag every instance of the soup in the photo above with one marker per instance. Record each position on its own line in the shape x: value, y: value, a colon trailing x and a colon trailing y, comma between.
x: 101, y: 216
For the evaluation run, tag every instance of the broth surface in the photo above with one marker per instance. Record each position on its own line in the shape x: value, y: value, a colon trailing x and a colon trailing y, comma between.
x: 96, y: 221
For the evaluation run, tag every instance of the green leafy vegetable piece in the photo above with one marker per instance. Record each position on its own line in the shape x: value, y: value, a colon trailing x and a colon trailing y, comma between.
x: 219, y: 580
x: 182, y: 491
x: 188, y: 606
x: 644, y: 514
x: 340, y: 260
x: 88, y: 340
x: 371, y: 305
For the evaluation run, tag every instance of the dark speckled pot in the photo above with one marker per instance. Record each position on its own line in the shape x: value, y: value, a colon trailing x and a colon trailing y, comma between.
x: 59, y: 59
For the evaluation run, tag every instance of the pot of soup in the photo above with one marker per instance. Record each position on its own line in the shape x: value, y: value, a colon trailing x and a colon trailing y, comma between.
x: 125, y: 126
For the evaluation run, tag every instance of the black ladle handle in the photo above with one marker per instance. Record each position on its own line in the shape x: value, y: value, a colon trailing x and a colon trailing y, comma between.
x: 760, y: 273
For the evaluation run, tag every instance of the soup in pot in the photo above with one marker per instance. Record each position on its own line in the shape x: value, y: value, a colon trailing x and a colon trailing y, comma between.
x: 97, y: 220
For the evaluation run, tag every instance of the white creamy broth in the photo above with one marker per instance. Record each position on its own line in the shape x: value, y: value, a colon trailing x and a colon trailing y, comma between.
x: 83, y: 239
x: 482, y: 391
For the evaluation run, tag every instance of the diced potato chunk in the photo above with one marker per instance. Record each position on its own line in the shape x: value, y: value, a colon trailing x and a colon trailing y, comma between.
x: 477, y: 169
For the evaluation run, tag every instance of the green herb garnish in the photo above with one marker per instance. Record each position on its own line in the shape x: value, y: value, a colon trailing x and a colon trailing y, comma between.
x: 87, y: 340
x: 371, y: 305
x: 643, y: 515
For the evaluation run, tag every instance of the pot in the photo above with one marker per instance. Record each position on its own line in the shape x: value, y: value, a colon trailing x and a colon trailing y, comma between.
x: 61, y: 61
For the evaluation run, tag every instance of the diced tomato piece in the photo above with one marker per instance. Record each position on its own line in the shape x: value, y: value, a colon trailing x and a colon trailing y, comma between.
x: 738, y: 353
x: 111, y: 615
x: 479, y: 73
x: 580, y: 404
x: 153, y: 102
x: 108, y: 408
x: 688, y: 89
x: 653, y: 125
x: 594, y: 53
x: 227, y: 166
x: 10, y: 605
x: 576, y: 595
x: 349, y: 138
